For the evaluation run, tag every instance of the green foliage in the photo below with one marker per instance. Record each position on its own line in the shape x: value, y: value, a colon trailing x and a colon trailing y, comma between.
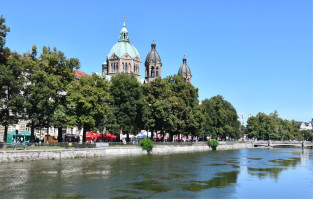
x: 88, y: 101
x: 265, y: 127
x: 126, y: 102
x: 60, y: 72
x: 3, y: 32
x: 147, y: 144
x: 38, y: 91
x: 11, y: 85
x: 307, y: 134
x: 221, y: 119
x: 213, y: 143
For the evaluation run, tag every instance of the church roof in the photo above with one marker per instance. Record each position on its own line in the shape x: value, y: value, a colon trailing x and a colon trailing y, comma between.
x: 123, y: 45
x: 122, y: 48
x: 184, y: 69
x: 153, y: 55
x: 79, y: 74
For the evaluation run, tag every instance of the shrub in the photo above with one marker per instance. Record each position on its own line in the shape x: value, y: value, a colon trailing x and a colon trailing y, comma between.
x: 213, y: 143
x: 147, y: 144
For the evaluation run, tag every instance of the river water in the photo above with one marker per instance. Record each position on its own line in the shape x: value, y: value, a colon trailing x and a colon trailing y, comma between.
x: 247, y: 173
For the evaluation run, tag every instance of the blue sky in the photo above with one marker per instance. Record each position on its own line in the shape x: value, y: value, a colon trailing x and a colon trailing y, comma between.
x: 258, y: 54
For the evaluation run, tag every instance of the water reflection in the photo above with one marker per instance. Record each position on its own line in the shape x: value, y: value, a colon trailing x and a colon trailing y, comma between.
x: 274, y: 172
x: 218, y: 174
x: 222, y: 179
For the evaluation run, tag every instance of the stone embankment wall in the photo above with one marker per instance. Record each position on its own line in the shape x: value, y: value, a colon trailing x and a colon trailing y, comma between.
x: 26, y: 155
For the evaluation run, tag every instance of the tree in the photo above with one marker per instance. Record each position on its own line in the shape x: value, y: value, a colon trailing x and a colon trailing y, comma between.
x: 158, y: 106
x: 38, y: 92
x: 262, y: 126
x: 60, y: 69
x: 88, y: 101
x: 186, y: 107
x: 221, y: 119
x: 11, y: 85
x: 3, y: 33
x: 307, y: 135
x: 125, y: 100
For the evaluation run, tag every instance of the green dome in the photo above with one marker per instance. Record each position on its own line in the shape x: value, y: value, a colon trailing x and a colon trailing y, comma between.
x: 124, y: 46
x: 121, y: 48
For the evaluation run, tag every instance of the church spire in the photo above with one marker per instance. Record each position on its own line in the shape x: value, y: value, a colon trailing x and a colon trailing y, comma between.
x: 124, y: 35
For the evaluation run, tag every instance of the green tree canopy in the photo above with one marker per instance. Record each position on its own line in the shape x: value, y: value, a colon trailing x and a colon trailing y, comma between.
x: 221, y: 119
x: 60, y: 69
x: 126, y: 102
x: 88, y: 100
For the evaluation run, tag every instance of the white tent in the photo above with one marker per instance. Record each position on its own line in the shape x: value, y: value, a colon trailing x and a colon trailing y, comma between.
x: 143, y: 134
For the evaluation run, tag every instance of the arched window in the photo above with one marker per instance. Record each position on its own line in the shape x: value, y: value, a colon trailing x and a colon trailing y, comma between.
x: 152, y: 71
x: 157, y: 71
x: 126, y: 67
x: 112, y: 68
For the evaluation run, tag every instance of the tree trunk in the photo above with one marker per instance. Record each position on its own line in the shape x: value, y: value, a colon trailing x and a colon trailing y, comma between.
x: 32, y: 131
x: 170, y: 137
x: 5, y: 133
x: 84, y: 134
x: 127, y: 137
x: 163, y: 136
x: 47, y: 131
x: 59, y: 134
x: 151, y: 134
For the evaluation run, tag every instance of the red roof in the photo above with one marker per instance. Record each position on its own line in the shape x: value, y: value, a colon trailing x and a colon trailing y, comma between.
x: 79, y: 74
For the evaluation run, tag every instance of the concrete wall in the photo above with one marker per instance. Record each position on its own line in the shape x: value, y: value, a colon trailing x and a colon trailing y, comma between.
x: 25, y: 155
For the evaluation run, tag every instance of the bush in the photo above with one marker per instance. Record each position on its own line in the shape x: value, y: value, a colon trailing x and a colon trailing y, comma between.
x: 147, y: 144
x: 213, y: 143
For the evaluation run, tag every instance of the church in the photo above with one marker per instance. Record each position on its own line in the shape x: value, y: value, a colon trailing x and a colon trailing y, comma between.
x: 124, y: 58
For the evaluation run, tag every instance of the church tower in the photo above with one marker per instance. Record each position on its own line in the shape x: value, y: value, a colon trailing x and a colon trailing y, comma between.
x: 185, y: 71
x: 152, y: 64
x: 123, y: 57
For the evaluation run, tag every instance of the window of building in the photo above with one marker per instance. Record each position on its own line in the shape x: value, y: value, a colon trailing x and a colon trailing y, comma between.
x: 152, y: 71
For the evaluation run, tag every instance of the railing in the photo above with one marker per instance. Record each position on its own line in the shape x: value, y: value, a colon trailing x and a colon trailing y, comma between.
x: 280, y: 142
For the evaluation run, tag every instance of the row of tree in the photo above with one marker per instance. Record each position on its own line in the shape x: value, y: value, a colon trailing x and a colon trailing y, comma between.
x: 265, y: 127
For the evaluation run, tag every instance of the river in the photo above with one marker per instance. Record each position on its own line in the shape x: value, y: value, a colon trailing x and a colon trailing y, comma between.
x: 276, y: 173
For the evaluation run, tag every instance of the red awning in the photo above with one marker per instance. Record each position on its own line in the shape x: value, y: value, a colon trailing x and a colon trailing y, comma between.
x: 92, y: 136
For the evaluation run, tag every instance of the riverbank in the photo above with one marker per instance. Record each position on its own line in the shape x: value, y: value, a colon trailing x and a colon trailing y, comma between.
x: 28, y: 155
